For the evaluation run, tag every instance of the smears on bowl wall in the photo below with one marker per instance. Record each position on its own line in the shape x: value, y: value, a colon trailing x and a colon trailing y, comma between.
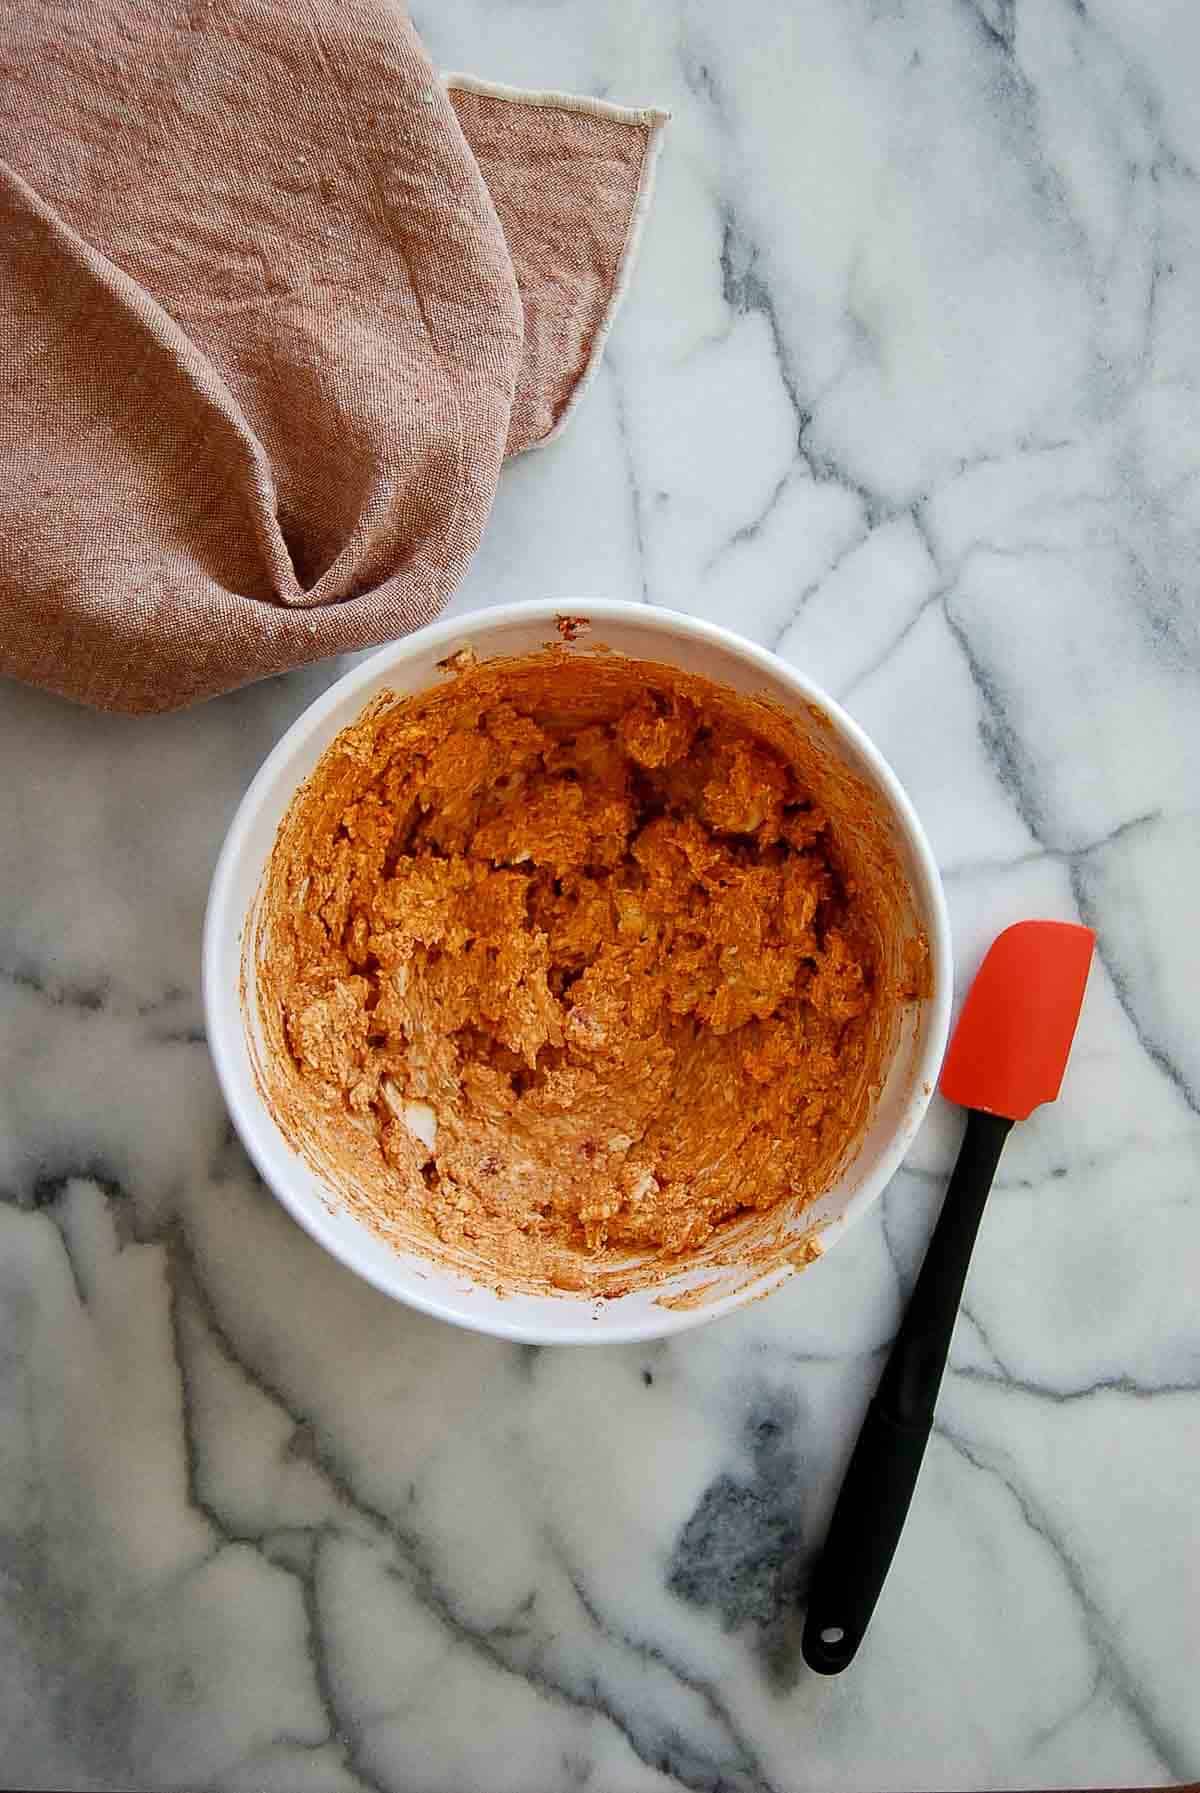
x: 753, y: 1253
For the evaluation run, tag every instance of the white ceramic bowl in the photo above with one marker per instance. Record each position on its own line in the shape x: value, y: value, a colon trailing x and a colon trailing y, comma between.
x: 410, y: 666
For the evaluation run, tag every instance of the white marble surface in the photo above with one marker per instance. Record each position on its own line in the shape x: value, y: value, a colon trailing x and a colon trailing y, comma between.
x: 907, y: 387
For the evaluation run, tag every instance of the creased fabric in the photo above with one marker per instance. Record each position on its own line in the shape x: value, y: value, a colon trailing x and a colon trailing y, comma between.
x: 275, y: 301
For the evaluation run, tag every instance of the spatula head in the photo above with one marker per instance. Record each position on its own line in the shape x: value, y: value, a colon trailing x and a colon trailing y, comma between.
x: 1013, y: 1038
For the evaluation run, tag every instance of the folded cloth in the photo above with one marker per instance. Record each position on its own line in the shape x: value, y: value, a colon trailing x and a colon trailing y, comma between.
x: 275, y: 302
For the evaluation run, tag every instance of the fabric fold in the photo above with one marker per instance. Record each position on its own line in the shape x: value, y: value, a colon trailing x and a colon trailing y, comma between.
x: 571, y: 179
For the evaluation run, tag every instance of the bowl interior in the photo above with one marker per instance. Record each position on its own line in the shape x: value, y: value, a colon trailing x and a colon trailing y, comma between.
x: 411, y: 666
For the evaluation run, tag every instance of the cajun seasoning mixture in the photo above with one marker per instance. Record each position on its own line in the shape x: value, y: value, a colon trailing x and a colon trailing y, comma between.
x: 567, y: 964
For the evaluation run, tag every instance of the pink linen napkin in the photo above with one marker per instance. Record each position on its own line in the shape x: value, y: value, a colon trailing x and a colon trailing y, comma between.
x: 275, y: 302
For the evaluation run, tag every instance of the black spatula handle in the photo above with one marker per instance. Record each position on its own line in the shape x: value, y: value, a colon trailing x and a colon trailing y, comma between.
x: 874, y: 1500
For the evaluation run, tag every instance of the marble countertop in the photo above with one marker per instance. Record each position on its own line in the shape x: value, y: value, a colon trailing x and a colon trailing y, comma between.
x: 907, y: 386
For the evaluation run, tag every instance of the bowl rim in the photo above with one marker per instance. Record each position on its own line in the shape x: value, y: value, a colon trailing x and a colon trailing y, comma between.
x: 469, y: 626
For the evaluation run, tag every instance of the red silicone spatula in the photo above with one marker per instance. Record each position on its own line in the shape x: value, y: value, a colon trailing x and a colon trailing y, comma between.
x: 1007, y: 1056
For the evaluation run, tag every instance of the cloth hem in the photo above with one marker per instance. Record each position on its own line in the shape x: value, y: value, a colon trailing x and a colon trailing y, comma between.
x: 566, y: 102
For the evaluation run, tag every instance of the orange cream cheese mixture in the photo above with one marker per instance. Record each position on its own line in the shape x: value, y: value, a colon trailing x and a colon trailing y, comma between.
x: 564, y: 967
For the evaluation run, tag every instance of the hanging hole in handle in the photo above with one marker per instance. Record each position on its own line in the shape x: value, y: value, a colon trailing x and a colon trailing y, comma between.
x: 828, y: 1648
